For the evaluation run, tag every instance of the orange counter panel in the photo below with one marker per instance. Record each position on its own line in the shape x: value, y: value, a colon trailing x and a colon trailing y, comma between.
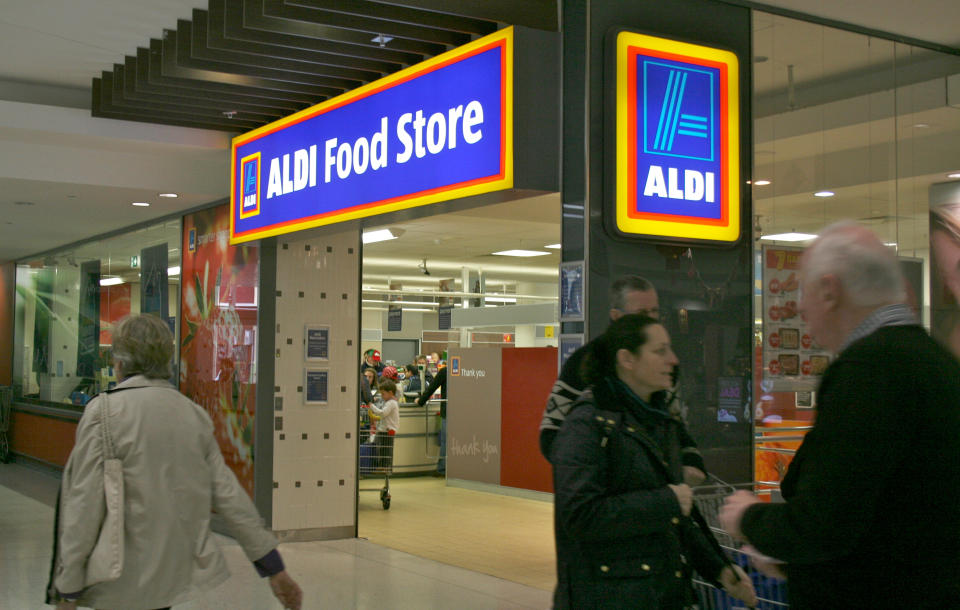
x: 43, y: 438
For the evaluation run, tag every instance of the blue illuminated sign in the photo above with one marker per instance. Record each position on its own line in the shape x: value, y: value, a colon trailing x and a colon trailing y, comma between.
x: 436, y: 131
x: 677, y: 140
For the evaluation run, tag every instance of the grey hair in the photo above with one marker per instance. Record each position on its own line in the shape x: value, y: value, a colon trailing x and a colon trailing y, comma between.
x: 624, y: 285
x: 868, y: 270
x: 143, y: 345
x: 946, y: 218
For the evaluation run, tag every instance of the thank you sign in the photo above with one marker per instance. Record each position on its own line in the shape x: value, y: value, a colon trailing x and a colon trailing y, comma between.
x: 436, y: 131
x: 677, y: 140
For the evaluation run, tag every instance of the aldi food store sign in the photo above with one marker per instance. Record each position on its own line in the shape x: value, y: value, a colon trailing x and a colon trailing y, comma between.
x: 436, y: 131
x: 677, y: 140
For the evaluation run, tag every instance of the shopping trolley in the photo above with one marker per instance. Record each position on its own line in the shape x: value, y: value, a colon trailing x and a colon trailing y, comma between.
x: 376, y: 455
x: 6, y: 404
x: 771, y: 592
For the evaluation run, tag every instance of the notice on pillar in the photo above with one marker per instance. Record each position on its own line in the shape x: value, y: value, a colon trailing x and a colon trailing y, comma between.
x: 473, y: 414
x: 677, y: 140
x: 439, y: 130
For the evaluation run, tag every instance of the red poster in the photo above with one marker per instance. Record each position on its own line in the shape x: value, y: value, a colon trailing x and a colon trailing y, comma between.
x: 218, y: 333
x: 114, y: 306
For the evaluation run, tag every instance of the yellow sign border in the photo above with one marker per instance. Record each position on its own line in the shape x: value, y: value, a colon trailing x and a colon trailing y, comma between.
x: 677, y: 229
x: 506, y: 182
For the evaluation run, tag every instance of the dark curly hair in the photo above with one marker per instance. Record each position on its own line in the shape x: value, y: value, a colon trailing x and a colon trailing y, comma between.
x: 628, y: 332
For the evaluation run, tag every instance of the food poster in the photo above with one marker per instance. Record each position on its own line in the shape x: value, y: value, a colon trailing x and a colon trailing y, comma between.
x: 218, y: 333
x: 791, y: 357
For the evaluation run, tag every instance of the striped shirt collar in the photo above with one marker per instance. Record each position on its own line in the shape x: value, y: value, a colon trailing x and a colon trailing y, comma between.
x: 888, y: 315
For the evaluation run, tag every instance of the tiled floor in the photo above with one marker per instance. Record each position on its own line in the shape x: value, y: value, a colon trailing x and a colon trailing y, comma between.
x: 353, y: 573
x: 503, y: 536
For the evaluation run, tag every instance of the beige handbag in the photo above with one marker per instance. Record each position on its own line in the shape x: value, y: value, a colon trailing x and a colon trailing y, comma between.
x: 106, y: 561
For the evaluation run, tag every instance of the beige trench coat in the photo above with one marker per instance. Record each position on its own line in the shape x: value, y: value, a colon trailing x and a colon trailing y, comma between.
x: 173, y: 475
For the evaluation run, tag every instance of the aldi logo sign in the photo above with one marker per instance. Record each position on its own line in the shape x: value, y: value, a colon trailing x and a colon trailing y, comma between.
x: 677, y: 140
x: 250, y: 169
x: 438, y: 130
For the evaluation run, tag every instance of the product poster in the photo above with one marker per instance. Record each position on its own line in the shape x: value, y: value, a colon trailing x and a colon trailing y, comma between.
x: 568, y: 345
x: 218, y: 333
x: 88, y: 324
x: 114, y: 306
x: 791, y: 358
x: 571, y: 291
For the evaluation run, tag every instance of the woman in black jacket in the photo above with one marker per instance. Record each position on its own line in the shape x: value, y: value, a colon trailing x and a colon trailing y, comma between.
x: 625, y: 536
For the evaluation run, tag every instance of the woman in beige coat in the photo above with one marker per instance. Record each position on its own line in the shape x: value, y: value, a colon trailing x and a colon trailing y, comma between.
x: 173, y: 475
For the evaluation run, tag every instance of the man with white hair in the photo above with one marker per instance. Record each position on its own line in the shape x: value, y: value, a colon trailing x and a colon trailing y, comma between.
x: 871, y: 517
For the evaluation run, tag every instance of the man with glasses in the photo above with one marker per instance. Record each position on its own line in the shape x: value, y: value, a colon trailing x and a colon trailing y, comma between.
x: 628, y: 295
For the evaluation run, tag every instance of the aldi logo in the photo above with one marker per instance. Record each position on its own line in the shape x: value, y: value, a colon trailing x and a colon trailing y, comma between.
x: 192, y: 240
x: 678, y: 110
x: 677, y: 140
x: 455, y: 366
x: 250, y: 185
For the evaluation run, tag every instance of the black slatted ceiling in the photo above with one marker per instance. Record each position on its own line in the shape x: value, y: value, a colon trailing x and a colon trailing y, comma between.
x: 241, y: 64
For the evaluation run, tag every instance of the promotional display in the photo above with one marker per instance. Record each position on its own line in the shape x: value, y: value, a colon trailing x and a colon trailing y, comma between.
x: 677, y: 140
x: 440, y: 130
x: 218, y: 333
x: 791, y: 357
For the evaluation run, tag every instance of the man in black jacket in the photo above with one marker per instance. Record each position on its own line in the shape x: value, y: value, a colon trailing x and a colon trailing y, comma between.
x: 872, y: 511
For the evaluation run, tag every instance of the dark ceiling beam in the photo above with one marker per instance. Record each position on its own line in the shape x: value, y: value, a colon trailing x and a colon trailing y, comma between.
x: 157, y: 75
x: 124, y: 94
x: 201, y: 48
x: 142, y: 82
x: 539, y: 14
x: 187, y: 59
x: 370, y: 25
x: 167, y: 50
x: 237, y: 28
x: 245, y: 63
x: 111, y: 85
x: 227, y: 31
x: 101, y: 107
x: 254, y: 16
x: 400, y: 14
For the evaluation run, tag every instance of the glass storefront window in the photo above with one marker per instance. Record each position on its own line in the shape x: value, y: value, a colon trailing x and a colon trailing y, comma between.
x: 68, y: 301
x: 846, y: 126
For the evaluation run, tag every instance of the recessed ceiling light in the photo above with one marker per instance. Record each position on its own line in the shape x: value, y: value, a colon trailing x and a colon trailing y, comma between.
x: 791, y: 236
x: 168, y: 195
x: 141, y: 204
x: 761, y: 182
x: 554, y: 246
x: 921, y: 125
x: 372, y: 237
x: 173, y: 271
x: 111, y: 281
x: 521, y: 253
x: 824, y: 194
x: 954, y: 175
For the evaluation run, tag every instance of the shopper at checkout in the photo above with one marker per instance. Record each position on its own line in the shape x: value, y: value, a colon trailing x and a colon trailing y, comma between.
x: 388, y: 417
x: 371, y: 360
x: 439, y: 381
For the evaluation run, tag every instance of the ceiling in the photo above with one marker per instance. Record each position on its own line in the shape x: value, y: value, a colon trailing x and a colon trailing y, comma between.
x: 140, y: 60
x: 449, y: 242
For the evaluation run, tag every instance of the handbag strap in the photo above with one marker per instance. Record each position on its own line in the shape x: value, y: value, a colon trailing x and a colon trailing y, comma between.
x: 105, y: 436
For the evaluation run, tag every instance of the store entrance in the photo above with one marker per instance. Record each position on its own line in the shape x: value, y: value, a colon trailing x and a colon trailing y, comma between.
x: 499, y: 263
